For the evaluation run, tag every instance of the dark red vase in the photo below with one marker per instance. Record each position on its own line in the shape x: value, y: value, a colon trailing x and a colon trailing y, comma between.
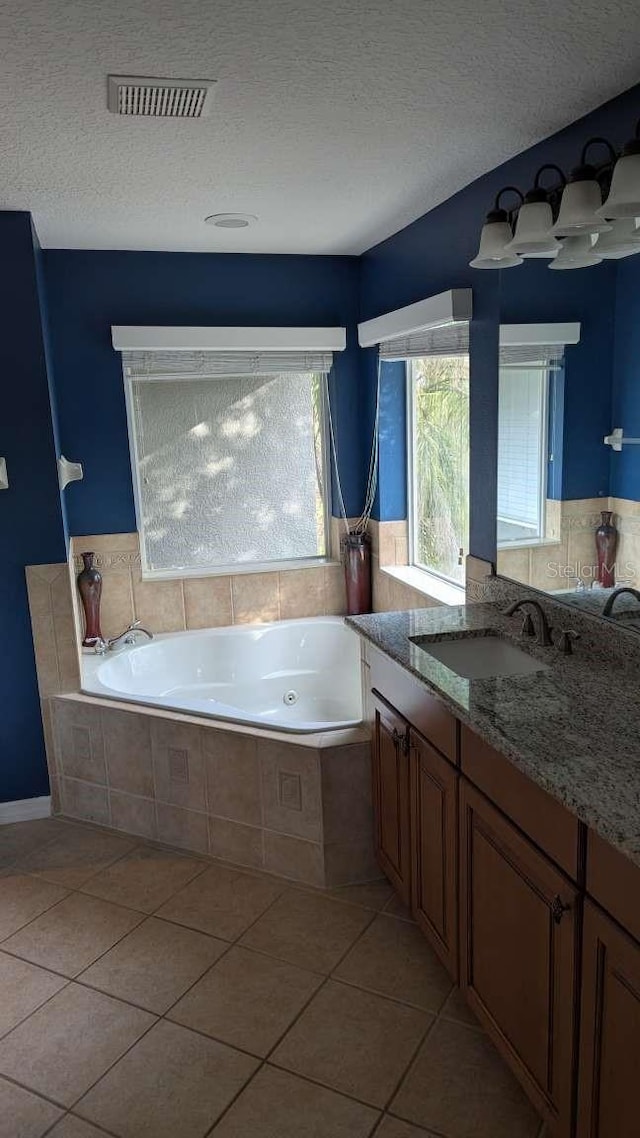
x: 356, y: 557
x: 90, y: 589
x: 606, y: 545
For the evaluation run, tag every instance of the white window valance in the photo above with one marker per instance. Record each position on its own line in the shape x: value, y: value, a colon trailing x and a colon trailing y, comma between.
x: 223, y: 339
x: 441, y: 310
x: 536, y: 345
x: 158, y: 365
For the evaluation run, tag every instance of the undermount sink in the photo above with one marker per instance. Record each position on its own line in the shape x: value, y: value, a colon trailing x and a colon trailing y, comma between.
x: 480, y: 657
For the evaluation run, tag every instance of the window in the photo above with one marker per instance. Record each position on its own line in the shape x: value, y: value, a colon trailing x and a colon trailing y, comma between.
x: 228, y: 459
x: 438, y: 407
x: 522, y: 452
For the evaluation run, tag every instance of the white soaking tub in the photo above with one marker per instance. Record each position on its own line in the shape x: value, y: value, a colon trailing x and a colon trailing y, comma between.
x: 292, y: 675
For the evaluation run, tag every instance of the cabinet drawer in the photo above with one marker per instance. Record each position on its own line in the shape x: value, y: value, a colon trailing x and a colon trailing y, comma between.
x: 614, y: 882
x: 545, y: 821
x: 399, y: 688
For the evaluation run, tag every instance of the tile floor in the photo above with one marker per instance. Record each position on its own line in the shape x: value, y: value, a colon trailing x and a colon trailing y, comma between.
x: 145, y: 993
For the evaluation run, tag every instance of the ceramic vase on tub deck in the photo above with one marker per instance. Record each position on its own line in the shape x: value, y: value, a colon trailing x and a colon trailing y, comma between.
x: 90, y: 589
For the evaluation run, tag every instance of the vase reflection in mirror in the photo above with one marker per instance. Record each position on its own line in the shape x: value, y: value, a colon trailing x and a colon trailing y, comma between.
x: 606, y: 545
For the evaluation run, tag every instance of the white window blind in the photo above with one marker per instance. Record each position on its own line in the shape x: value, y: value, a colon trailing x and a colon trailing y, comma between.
x: 448, y: 340
x: 522, y: 445
x: 209, y: 365
x: 531, y: 355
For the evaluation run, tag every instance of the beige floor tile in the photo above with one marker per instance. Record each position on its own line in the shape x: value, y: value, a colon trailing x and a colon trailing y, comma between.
x: 396, y: 908
x: 395, y: 1128
x: 66, y: 1045
x: 373, y: 895
x: 22, y: 898
x: 154, y: 964
x: 460, y: 1086
x: 172, y: 1083
x: 247, y: 1000
x: 393, y: 958
x: 75, y: 855
x: 354, y: 1042
x: 308, y: 930
x: 222, y: 902
x: 23, y: 988
x: 22, y: 1114
x: 72, y: 1127
x: 145, y: 878
x: 277, y: 1104
x: 20, y: 838
x: 69, y: 937
x: 456, y: 1007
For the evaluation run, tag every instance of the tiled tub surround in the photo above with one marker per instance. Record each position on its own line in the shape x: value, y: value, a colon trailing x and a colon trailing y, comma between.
x: 569, y: 551
x: 301, y: 809
x: 573, y: 729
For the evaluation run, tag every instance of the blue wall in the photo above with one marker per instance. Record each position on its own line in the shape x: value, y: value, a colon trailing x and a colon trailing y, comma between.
x: 31, y: 529
x: 433, y: 254
x: 625, y: 413
x: 87, y: 292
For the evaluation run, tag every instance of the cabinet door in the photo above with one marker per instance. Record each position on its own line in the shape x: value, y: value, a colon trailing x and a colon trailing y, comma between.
x: 610, y: 1031
x: 518, y: 921
x: 434, y: 849
x: 391, y: 797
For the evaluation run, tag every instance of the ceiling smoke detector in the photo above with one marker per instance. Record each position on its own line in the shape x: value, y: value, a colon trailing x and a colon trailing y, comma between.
x: 141, y: 97
x: 231, y: 220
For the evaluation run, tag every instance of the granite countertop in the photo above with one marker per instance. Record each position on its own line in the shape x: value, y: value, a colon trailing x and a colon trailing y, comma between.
x: 574, y: 728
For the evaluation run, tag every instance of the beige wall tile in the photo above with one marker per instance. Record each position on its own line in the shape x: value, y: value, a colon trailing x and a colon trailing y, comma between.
x: 291, y: 790
x: 106, y: 543
x: 127, y: 747
x: 133, y: 815
x: 335, y: 597
x: 178, y: 764
x: 79, y: 741
x: 515, y: 564
x: 68, y: 661
x: 294, y: 858
x: 301, y: 593
x: 346, y: 863
x: 233, y: 776
x: 183, y: 828
x: 44, y: 644
x: 116, y: 610
x: 85, y: 800
x: 207, y: 602
x: 158, y: 604
x: 236, y: 842
x: 256, y: 598
x: 346, y: 792
x: 39, y: 591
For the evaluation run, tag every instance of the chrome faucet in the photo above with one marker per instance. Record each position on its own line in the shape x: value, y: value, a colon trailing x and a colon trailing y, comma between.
x: 124, y: 640
x: 543, y: 633
x: 618, y: 593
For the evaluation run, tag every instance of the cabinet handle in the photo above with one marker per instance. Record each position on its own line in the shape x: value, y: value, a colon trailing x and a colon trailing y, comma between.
x: 400, y: 739
x: 558, y: 908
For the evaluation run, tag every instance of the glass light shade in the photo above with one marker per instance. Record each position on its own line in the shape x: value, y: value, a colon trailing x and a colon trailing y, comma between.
x: 578, y: 210
x: 533, y: 232
x: 622, y: 240
x: 493, y: 252
x: 624, y: 195
x: 577, y: 252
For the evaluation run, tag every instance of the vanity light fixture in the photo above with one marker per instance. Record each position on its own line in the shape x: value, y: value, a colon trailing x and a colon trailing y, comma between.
x: 533, y: 237
x: 496, y: 236
x: 624, y: 196
x: 577, y: 252
x: 582, y: 197
x: 622, y: 240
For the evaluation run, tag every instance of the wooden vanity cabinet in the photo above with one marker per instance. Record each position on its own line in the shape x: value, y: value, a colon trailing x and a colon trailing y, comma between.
x: 609, y: 1083
x: 392, y: 825
x: 434, y: 849
x: 519, y: 917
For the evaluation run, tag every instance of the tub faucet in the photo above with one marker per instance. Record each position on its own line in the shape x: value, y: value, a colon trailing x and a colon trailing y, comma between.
x: 124, y: 640
x: 543, y: 634
x: 618, y: 593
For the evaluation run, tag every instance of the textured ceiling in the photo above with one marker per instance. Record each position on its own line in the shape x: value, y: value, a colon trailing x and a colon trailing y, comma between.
x: 335, y: 121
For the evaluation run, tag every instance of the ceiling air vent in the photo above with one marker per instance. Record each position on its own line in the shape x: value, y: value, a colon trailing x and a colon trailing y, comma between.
x: 149, y: 98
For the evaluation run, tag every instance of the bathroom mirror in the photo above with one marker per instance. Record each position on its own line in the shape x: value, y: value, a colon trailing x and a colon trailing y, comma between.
x: 562, y: 491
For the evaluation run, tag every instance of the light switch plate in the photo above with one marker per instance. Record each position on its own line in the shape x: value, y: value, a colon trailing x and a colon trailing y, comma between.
x: 4, y: 477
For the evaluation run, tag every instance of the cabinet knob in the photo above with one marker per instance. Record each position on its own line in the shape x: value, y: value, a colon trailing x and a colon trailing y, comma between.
x: 400, y: 739
x: 558, y: 908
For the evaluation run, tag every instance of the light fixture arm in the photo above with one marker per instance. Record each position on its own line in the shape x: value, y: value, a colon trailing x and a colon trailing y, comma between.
x: 549, y: 166
x: 603, y: 142
x: 506, y: 190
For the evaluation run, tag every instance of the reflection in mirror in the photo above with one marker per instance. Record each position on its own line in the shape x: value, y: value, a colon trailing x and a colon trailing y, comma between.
x: 568, y: 508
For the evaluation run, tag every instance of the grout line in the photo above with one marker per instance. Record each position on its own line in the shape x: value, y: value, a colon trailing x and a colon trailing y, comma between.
x: 405, y: 1074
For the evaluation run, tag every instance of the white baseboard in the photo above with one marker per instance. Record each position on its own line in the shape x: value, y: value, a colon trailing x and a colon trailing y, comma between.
x: 25, y: 809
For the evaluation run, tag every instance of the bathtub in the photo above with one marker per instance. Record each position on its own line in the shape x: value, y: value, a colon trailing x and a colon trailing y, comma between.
x: 292, y: 675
